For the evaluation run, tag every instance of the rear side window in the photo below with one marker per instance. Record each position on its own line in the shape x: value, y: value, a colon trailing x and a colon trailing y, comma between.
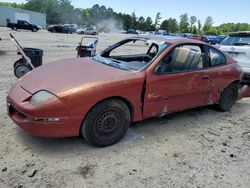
x: 216, y: 57
x: 182, y: 58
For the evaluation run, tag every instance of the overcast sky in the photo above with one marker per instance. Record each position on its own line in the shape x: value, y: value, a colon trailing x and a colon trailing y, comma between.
x: 221, y: 10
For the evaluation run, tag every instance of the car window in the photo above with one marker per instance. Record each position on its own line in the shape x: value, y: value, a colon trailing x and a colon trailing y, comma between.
x: 216, y: 57
x: 181, y: 59
x: 236, y: 40
x: 131, y: 48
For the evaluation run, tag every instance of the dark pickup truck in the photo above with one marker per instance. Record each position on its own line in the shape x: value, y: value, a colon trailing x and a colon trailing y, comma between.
x: 21, y: 24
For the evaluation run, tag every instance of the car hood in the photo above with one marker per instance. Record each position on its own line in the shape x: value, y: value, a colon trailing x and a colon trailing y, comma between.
x: 65, y: 75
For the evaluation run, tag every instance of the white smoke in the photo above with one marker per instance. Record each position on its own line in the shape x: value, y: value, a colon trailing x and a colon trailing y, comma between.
x: 109, y: 25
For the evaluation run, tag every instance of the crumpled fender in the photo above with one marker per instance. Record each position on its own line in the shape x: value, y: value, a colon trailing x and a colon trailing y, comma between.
x: 244, y: 92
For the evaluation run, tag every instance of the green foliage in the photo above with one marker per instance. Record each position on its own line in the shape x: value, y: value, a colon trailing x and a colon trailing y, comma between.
x: 183, y: 25
x: 157, y: 20
x: 208, y: 24
x: 170, y: 25
x: 61, y: 11
x: 193, y: 20
x: 13, y: 5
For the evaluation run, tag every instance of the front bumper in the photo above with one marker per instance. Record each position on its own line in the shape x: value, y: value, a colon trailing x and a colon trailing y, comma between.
x: 31, y: 118
x: 66, y: 127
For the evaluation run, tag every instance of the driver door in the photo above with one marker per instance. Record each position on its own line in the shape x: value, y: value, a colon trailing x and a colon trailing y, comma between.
x: 179, y: 82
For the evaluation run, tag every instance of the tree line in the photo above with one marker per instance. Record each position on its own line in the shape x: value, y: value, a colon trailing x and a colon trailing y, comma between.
x: 61, y: 11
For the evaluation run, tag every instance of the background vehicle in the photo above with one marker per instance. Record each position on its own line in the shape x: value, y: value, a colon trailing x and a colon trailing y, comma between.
x: 72, y: 27
x: 198, y: 37
x: 132, y: 31
x: 22, y: 24
x: 59, y: 29
x: 216, y: 39
x: 237, y: 45
x: 86, y: 31
x: 134, y: 79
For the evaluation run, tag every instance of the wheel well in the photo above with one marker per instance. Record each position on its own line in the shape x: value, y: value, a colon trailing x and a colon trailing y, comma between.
x: 127, y: 102
x: 234, y: 82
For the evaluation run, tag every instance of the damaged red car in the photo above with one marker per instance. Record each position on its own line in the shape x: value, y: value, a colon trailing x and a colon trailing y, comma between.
x: 137, y: 78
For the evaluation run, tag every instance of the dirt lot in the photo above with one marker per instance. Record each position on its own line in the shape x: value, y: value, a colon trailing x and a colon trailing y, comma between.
x: 194, y: 148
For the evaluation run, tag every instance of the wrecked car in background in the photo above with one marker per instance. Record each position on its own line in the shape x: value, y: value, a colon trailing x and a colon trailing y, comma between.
x: 216, y: 39
x: 87, y: 31
x: 59, y: 29
x: 134, y: 79
x: 237, y: 45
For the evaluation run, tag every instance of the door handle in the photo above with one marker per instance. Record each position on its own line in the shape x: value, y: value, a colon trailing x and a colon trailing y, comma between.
x: 205, y: 77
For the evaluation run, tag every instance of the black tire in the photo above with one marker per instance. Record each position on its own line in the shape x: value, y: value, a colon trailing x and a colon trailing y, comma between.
x: 18, y: 62
x: 14, y: 28
x: 34, y: 30
x: 106, y: 123
x: 21, y: 70
x: 228, y: 97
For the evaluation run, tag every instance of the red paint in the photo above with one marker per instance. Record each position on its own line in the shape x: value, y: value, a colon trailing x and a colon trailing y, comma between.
x: 80, y: 84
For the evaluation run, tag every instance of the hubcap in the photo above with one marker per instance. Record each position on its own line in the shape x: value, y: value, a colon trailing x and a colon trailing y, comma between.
x: 229, y: 96
x: 108, y: 124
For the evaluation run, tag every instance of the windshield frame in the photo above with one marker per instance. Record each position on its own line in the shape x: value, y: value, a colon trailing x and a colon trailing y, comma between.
x: 103, y: 56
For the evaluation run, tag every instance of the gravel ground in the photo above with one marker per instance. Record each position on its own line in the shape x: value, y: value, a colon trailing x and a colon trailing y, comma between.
x: 194, y: 148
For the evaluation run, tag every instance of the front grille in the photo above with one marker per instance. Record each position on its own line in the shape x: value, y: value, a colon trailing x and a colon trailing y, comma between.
x: 12, y: 111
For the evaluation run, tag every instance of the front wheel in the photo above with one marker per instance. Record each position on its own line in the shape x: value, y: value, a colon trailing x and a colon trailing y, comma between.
x: 106, y: 123
x: 228, y: 97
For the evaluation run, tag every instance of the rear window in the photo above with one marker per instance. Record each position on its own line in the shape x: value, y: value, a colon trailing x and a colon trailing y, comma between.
x: 216, y: 57
x: 236, y: 40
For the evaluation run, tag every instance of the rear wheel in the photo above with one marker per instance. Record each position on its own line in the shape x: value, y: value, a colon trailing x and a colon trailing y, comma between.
x: 106, y: 123
x: 21, y: 70
x: 34, y: 30
x: 14, y: 28
x: 228, y: 97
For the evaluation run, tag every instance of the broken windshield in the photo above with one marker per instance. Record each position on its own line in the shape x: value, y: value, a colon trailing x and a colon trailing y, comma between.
x: 133, y: 54
x: 110, y: 62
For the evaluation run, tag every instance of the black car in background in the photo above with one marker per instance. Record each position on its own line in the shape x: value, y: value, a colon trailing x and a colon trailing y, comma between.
x: 22, y: 24
x: 59, y: 29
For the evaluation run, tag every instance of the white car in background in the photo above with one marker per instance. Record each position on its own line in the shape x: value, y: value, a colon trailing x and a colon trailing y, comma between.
x: 87, y: 31
x: 237, y: 45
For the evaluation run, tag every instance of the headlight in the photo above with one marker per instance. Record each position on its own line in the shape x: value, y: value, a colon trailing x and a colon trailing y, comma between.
x: 40, y: 97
